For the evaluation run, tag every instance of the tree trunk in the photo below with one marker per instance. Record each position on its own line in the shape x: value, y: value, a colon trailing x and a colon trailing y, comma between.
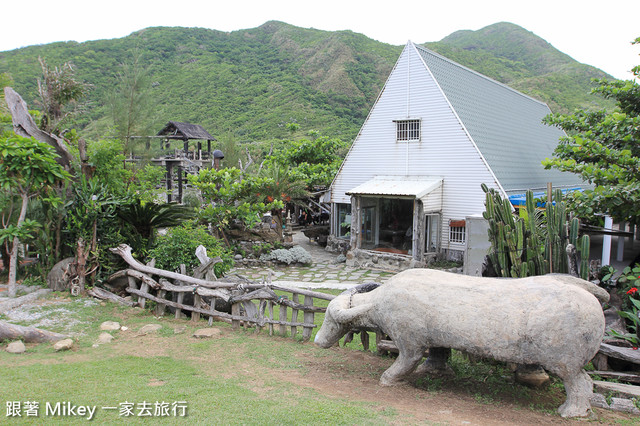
x: 81, y: 269
x: 13, y: 260
x: 27, y: 334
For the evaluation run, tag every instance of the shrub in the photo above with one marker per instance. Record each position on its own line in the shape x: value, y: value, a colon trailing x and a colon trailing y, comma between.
x: 179, y: 245
x: 294, y: 255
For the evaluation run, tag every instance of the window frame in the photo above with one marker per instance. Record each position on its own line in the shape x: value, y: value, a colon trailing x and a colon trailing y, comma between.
x: 457, y: 232
x: 408, y: 133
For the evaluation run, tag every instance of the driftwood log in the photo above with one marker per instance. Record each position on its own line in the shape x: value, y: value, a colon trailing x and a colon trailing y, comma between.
x: 24, y: 125
x: 625, y: 354
x: 27, y: 334
x: 622, y: 377
x: 124, y: 251
x: 100, y: 293
x: 250, y: 303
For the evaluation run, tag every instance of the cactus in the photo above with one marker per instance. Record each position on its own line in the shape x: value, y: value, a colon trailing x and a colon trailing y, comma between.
x: 584, y: 257
x: 529, y: 244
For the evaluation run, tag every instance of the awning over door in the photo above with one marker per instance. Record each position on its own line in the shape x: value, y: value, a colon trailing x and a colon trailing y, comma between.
x: 398, y: 186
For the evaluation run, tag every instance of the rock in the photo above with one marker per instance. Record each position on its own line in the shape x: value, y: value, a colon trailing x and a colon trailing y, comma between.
x: 109, y: 326
x: 599, y: 401
x: 124, y: 328
x: 613, y: 321
x: 16, y: 347
x: 57, y: 279
x: 149, y: 328
x: 237, y: 257
x: 532, y: 375
x: 104, y: 338
x: 205, y: 333
x: 63, y: 345
x: 623, y: 405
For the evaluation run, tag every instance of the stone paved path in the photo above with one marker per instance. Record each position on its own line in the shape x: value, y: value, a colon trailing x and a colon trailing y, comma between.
x: 324, y: 272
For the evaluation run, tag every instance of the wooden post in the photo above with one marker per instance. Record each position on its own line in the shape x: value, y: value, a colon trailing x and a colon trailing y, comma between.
x: 160, y: 307
x: 364, y: 338
x: 144, y: 288
x: 271, y: 317
x: 133, y: 284
x: 235, y: 310
x: 179, y: 184
x: 282, y: 316
x: 294, y: 315
x: 213, y: 309
x: 308, y: 318
x: 262, y: 306
x: 180, y: 297
x: 379, y: 338
x: 169, y: 181
x: 195, y: 316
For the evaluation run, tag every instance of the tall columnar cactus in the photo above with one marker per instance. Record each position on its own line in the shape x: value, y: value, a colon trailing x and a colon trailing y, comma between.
x: 528, y: 244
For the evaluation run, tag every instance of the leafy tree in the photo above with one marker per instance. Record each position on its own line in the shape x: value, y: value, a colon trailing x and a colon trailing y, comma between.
x: 59, y: 92
x: 314, y: 161
x: 604, y: 149
x: 27, y: 167
x: 230, y: 196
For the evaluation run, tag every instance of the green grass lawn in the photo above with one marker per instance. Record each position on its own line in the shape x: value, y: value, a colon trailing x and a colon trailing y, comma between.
x: 240, y: 377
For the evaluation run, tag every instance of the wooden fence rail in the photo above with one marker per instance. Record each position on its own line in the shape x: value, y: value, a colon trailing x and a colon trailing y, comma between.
x: 251, y: 303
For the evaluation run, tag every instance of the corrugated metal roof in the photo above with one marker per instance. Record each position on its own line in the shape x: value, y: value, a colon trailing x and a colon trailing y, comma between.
x: 407, y: 186
x: 505, y: 124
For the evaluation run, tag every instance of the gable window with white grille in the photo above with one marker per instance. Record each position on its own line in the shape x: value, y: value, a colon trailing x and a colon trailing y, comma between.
x: 407, y: 130
x: 457, y: 231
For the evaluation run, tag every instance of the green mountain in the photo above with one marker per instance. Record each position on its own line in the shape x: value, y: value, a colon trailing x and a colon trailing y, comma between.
x: 251, y: 83
x: 520, y: 59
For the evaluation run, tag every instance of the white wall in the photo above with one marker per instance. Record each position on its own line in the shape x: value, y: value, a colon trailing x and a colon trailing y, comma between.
x: 445, y: 148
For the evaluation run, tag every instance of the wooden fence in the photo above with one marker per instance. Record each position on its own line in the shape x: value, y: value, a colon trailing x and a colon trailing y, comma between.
x: 251, y: 304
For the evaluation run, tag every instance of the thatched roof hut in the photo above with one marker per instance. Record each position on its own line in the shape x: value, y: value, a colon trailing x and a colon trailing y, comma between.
x: 185, y: 131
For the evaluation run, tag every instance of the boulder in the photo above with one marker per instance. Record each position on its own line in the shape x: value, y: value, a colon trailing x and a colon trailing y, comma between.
x: 63, y: 345
x: 59, y: 278
x: 110, y: 326
x: 16, y: 347
x: 104, y: 338
x: 205, y: 333
x: 531, y: 375
x: 149, y: 328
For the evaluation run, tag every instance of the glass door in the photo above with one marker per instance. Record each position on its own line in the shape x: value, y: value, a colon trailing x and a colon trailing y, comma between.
x: 368, y: 227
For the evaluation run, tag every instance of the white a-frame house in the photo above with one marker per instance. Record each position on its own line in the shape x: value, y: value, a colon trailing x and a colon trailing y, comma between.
x: 437, y: 131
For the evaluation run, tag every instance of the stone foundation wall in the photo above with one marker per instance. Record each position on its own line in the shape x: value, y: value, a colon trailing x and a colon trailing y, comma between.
x: 337, y: 245
x: 370, y: 259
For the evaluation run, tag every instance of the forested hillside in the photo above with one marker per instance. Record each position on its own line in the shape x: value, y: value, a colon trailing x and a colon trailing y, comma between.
x: 251, y: 83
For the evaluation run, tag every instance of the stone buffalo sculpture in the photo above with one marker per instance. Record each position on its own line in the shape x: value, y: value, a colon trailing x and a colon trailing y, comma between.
x: 555, y: 321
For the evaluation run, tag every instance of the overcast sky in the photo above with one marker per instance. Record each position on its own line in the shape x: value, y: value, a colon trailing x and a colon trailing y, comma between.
x: 597, y: 33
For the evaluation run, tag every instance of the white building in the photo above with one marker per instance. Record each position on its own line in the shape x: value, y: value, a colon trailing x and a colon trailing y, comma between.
x: 437, y: 131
